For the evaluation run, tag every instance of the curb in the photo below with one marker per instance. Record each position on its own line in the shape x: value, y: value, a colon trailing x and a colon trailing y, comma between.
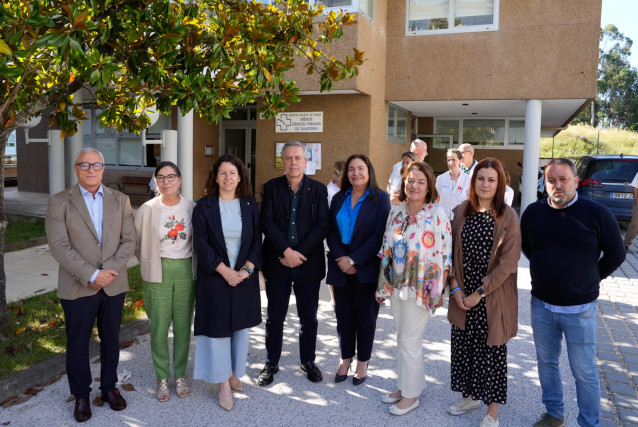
x: 43, y: 372
x: 24, y: 244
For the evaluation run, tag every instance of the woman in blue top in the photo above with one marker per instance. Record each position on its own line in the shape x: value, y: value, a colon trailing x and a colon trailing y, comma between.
x: 358, y: 214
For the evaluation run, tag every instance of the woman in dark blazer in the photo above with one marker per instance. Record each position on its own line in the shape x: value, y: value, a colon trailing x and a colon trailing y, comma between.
x: 358, y: 215
x: 227, y: 240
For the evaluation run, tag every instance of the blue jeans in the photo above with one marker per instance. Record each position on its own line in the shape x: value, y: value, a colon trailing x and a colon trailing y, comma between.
x: 580, y: 335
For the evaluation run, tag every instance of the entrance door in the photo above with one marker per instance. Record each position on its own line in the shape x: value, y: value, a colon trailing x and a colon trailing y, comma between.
x: 239, y: 136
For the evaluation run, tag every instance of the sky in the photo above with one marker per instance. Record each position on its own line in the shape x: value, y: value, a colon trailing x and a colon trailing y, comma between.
x: 623, y: 14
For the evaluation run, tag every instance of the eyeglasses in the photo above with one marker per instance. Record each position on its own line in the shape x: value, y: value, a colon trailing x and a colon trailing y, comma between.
x: 169, y: 178
x: 85, y: 166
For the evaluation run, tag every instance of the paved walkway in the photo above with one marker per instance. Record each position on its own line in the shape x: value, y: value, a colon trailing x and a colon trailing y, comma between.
x: 293, y: 400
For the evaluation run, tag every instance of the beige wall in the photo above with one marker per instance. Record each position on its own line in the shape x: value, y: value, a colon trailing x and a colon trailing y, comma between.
x: 543, y: 49
x: 346, y: 121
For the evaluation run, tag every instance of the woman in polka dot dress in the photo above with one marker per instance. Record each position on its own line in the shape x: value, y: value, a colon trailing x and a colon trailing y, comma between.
x: 483, y: 305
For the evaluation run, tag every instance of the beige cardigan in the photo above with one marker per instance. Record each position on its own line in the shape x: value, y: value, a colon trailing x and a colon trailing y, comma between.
x: 147, y: 249
x: 500, y: 283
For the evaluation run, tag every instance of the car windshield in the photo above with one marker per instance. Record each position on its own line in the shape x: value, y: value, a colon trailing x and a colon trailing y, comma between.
x: 621, y: 170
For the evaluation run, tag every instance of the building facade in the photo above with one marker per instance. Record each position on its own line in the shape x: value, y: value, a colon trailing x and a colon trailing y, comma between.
x: 494, y: 73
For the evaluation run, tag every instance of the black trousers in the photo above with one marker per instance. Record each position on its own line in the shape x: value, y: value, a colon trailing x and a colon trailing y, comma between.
x: 79, y: 316
x: 356, y: 309
x: 307, y: 295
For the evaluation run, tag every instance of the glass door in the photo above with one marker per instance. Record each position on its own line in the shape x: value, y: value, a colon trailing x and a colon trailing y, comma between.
x: 239, y: 135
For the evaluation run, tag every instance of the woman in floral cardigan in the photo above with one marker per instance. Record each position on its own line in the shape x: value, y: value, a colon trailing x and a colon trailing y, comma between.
x: 416, y: 255
x: 165, y: 251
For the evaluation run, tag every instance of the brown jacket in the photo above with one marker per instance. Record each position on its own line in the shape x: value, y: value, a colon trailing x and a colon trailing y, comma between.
x: 499, y: 284
x: 74, y: 243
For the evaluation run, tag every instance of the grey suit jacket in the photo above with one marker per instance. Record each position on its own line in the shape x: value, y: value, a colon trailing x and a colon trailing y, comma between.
x: 74, y: 242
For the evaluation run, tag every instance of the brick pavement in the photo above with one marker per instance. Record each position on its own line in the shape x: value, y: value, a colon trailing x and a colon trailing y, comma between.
x: 617, y: 348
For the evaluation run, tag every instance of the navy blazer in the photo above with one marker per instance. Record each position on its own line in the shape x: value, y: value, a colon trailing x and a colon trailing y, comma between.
x: 312, y: 227
x: 366, y: 241
x: 222, y: 309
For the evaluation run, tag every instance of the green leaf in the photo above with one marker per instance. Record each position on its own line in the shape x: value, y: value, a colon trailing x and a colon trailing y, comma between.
x: 4, y: 48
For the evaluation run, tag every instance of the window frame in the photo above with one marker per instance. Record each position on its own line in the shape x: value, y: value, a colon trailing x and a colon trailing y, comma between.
x: 454, y: 30
x: 506, y: 144
x: 408, y: 125
x: 91, y: 136
x: 353, y: 8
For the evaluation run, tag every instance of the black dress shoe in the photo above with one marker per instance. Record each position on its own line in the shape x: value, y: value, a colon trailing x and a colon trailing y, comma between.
x: 312, y: 372
x: 361, y: 380
x: 114, y: 399
x: 358, y: 381
x: 267, y: 375
x: 82, y: 409
x: 341, y: 378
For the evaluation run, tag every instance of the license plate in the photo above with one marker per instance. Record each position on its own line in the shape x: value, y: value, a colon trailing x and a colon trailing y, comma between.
x: 622, y: 196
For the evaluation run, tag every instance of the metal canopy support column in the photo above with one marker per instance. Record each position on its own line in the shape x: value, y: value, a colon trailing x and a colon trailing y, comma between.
x: 531, y: 155
x: 185, y: 142
x: 56, y: 162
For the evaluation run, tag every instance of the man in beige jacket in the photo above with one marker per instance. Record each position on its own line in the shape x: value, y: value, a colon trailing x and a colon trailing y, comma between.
x: 91, y: 235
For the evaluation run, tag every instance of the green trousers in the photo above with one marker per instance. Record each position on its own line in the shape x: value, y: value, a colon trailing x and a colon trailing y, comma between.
x: 166, y: 302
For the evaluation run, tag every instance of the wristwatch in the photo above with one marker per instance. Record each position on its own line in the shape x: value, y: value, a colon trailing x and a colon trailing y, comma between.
x: 481, y: 292
x: 351, y: 261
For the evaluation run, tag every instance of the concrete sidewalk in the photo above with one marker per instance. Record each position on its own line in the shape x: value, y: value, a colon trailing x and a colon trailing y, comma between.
x: 293, y: 400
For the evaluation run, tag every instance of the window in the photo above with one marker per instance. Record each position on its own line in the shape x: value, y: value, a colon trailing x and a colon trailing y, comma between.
x: 364, y: 7
x: 397, y: 124
x: 124, y: 149
x: 448, y: 127
x: 451, y: 16
x: 516, y: 132
x: 10, y: 148
x: 484, y: 132
x: 498, y: 132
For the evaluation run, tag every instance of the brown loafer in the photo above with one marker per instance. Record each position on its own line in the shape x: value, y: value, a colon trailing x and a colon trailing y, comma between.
x: 114, y: 399
x: 82, y: 410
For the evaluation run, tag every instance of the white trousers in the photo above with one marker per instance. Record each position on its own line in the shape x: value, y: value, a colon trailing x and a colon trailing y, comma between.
x: 410, y: 321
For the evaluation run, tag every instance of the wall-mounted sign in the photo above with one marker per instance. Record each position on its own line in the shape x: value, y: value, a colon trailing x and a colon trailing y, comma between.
x: 311, y: 121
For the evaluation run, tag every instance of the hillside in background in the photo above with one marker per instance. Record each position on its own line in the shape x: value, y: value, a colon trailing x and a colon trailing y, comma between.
x: 582, y: 139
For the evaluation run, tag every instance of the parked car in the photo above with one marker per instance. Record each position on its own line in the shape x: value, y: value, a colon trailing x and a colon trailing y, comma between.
x: 607, y: 179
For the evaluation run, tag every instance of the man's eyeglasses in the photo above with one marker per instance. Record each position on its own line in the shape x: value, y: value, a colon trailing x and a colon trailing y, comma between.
x: 169, y: 178
x: 85, y: 166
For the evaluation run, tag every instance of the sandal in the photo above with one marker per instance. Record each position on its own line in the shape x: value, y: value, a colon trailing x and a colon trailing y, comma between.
x: 181, y: 387
x: 163, y: 393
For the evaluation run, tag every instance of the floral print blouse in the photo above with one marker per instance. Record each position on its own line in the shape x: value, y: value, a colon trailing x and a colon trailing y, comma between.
x: 416, y: 251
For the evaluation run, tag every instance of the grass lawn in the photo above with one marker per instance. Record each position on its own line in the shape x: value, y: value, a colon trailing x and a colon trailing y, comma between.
x: 37, y: 327
x: 581, y: 139
x: 18, y: 230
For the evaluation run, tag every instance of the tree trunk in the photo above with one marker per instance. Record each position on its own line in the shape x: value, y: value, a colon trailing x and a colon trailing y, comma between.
x: 5, y: 317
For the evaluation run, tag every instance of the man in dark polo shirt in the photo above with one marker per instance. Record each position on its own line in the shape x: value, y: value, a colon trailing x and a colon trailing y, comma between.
x: 294, y: 220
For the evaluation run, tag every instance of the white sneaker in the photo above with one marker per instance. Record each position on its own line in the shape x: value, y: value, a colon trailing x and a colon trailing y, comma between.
x: 463, y: 405
x: 488, y: 421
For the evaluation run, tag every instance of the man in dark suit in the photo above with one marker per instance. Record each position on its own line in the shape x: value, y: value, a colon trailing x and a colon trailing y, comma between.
x: 294, y: 220
x: 91, y: 235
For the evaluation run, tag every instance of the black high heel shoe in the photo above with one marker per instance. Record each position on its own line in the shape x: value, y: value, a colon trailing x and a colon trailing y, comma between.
x: 361, y: 380
x: 341, y: 378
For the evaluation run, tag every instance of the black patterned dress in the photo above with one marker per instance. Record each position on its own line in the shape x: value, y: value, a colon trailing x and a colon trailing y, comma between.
x: 477, y: 369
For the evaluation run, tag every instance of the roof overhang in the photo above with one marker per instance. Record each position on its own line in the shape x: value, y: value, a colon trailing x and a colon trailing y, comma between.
x: 556, y: 114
